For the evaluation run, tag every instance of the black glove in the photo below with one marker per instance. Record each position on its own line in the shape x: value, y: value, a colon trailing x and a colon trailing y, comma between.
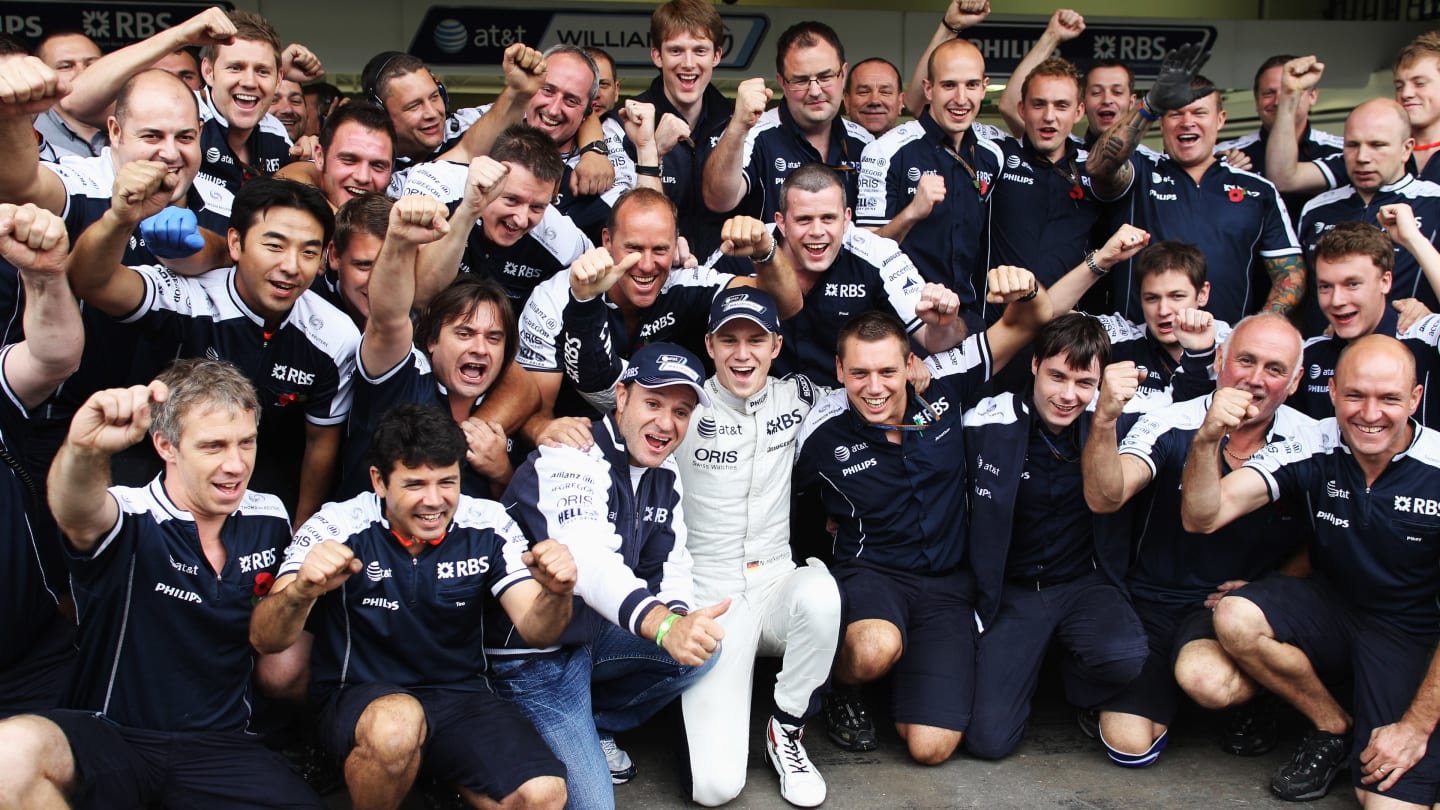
x: 1172, y: 88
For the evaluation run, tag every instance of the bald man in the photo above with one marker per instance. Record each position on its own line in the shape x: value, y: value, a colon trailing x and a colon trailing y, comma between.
x: 1370, y: 607
x: 1378, y: 149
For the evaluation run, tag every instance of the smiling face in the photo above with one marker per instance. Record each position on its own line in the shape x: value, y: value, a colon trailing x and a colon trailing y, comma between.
x: 1351, y: 292
x: 1189, y: 133
x: 1107, y: 95
x: 1261, y: 357
x: 686, y: 63
x: 208, y: 469
x: 277, y: 261
x: 419, y: 501
x: 1375, y: 394
x: 160, y: 123
x: 1417, y: 88
x: 518, y: 209
x: 1267, y: 98
x: 873, y: 100
x: 742, y: 351
x: 873, y: 373
x: 289, y: 108
x: 956, y: 87
x: 417, y: 110
x: 649, y: 230
x: 359, y: 160
x: 469, y: 352
x: 652, y: 421
x: 1062, y: 392
x: 1162, y: 295
x: 812, y: 227
x: 815, y: 102
x: 1051, y: 109
x: 564, y: 98
x: 242, y: 78
x: 353, y: 267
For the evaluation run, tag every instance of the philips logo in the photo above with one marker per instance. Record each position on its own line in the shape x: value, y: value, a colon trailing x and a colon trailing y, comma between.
x: 379, y: 602
x: 862, y: 466
x: 1338, y: 521
x: 177, y: 593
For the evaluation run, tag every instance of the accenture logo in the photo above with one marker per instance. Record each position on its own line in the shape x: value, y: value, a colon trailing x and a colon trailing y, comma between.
x: 451, y: 36
x: 912, y: 174
x: 706, y: 427
x: 842, y: 453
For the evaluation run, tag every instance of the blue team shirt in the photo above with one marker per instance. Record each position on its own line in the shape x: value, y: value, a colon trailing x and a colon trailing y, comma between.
x: 775, y: 146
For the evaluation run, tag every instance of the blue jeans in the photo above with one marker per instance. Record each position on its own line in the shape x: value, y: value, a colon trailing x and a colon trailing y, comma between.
x: 633, y: 679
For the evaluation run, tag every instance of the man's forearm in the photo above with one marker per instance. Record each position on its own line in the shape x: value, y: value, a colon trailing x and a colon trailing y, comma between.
x: 97, y: 254
x: 1102, y: 471
x: 546, y: 619
x: 1283, y: 166
x: 76, y: 491
x: 279, y: 619
x: 724, y: 174
x: 1287, y: 283
x: 92, y: 92
x: 512, y: 401
x: 1200, y: 486
x: 317, y: 469
x: 1109, y: 162
x: 1424, y: 711
x: 215, y: 254
x: 22, y: 179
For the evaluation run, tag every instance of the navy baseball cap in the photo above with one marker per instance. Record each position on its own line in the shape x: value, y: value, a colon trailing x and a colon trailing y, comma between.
x: 659, y: 365
x: 745, y: 302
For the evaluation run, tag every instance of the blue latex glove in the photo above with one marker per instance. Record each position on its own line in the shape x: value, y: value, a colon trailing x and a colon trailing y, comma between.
x: 173, y: 233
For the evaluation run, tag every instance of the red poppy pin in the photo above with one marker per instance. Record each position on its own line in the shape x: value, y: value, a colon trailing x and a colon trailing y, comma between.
x: 263, y: 581
x: 287, y: 399
x: 1077, y: 193
x: 1237, y: 195
x: 984, y: 188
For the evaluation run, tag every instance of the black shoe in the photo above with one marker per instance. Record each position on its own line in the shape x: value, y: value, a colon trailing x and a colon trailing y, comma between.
x: 848, y: 722
x: 1089, y: 722
x: 1252, y: 728
x: 1308, y: 774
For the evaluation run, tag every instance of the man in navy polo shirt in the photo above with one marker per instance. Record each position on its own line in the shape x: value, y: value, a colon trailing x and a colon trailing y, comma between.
x: 617, y: 507
x: 502, y: 225
x: 396, y: 584
x: 1377, y: 147
x: 1369, y: 607
x: 260, y: 314
x: 1050, y: 570
x: 355, y: 155
x: 165, y: 577
x: 1191, y: 196
x: 925, y: 184
x: 467, y: 339
x: 760, y: 149
x: 886, y: 463
x: 1176, y: 577
x: 1354, y: 272
x: 686, y: 38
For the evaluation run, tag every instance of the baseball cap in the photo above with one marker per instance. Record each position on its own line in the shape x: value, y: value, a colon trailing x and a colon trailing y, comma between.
x: 745, y: 302
x: 659, y: 365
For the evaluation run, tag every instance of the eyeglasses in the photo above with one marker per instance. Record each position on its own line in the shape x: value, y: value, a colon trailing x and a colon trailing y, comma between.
x: 821, y: 80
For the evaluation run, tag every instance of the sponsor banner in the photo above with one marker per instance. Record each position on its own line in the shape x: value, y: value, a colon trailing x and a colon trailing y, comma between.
x: 110, y: 25
x: 1142, y: 47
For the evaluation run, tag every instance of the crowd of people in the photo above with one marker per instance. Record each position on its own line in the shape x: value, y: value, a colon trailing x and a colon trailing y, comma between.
x: 413, y: 448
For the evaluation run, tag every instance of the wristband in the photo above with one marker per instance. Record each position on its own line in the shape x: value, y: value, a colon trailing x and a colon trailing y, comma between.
x: 647, y: 171
x: 1145, y: 111
x: 1030, y: 296
x: 769, y: 257
x: 952, y: 29
x: 1094, y: 265
x: 598, y: 147
x: 665, y: 628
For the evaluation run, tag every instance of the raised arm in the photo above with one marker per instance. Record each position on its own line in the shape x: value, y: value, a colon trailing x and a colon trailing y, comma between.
x: 279, y: 618
x: 142, y: 188
x: 415, y: 219
x: 94, y: 90
x: 33, y: 240
x: 439, y: 262
x: 939, y: 311
x: 1209, y: 502
x: 929, y: 192
x: 1398, y: 220
x: 1283, y: 166
x: 724, y: 185
x: 108, y: 422
x: 1067, y: 290
x: 524, y: 70
x: 749, y: 237
x: 28, y: 87
x: 1110, y: 479
x: 1027, y: 308
x: 959, y: 15
x: 1287, y: 281
x: 1064, y: 26
x: 541, y: 607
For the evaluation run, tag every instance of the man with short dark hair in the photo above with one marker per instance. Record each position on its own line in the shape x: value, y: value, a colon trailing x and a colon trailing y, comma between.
x: 289, y: 108
x: 1051, y: 570
x: 759, y: 149
x: 886, y: 462
x: 165, y: 578
x: 354, y: 155
x: 69, y: 54
x: 405, y: 690
x: 360, y: 227
x: 873, y: 95
x: 260, y: 314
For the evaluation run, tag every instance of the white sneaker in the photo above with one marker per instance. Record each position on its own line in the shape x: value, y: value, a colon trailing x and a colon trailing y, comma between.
x: 800, y: 784
x: 622, y: 768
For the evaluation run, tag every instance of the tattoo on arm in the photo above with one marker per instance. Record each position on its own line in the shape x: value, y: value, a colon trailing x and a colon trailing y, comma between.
x: 1287, y: 283
x: 1109, y: 162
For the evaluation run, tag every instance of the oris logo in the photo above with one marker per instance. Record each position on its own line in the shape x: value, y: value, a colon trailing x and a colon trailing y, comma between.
x: 717, y: 456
